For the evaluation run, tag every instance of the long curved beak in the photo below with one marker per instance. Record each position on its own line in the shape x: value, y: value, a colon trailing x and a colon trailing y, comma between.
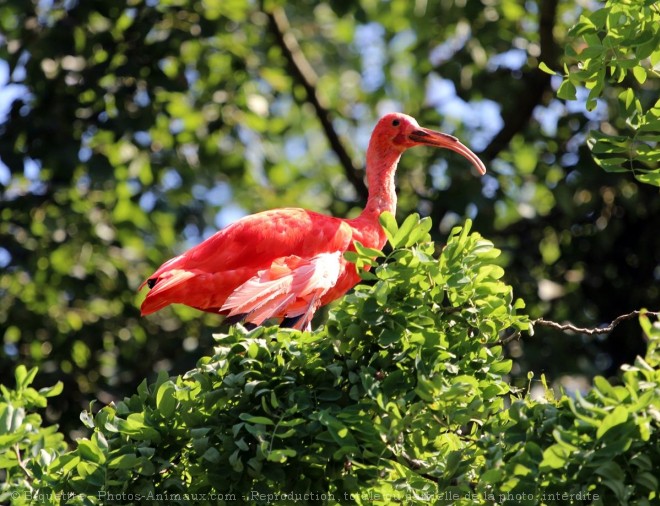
x: 440, y: 140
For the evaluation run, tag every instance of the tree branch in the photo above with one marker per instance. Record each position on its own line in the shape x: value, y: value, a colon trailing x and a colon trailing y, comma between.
x: 501, y: 342
x: 304, y: 73
x: 569, y: 327
x: 534, y: 85
x: 21, y: 462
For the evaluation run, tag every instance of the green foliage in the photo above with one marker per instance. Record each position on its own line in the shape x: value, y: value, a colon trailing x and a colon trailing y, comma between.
x: 137, y: 127
x: 402, y: 397
x: 611, y: 45
x: 26, y: 448
x: 601, y: 447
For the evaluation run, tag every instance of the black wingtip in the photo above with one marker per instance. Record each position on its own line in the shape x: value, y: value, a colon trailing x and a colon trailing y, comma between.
x: 291, y: 322
x: 239, y: 318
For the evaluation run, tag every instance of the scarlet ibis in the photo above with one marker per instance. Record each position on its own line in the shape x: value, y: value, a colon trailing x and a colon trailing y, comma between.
x: 286, y: 263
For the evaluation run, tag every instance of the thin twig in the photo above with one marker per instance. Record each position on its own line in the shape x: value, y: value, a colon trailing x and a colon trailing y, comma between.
x: 416, y: 465
x: 591, y: 331
x: 21, y: 462
x: 569, y: 327
x: 506, y: 340
x: 305, y: 75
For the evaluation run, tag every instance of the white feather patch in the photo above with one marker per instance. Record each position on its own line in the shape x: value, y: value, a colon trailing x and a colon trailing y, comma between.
x: 290, y: 287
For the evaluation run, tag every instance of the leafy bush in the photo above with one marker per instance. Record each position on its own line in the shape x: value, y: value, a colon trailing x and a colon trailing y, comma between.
x: 620, y: 40
x: 401, y: 397
x: 602, y: 448
x: 26, y: 448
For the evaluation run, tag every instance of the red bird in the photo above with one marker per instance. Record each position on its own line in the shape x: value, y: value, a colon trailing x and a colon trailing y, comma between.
x: 286, y: 263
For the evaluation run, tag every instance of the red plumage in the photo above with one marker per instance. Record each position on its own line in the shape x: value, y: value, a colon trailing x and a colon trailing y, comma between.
x: 286, y: 263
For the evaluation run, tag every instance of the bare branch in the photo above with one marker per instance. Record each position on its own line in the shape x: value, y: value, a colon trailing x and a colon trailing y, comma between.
x: 501, y: 342
x: 305, y: 75
x: 591, y: 331
x: 21, y: 462
x: 569, y: 327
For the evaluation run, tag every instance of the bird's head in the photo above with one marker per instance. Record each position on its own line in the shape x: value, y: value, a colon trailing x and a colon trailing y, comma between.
x: 401, y: 132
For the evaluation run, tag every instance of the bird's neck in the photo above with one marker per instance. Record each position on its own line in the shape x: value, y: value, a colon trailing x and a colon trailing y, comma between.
x: 381, y: 166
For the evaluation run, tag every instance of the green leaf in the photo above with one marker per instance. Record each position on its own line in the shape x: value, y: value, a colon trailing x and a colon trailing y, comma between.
x: 135, y: 427
x: 53, y: 391
x: 351, y: 256
x: 11, y: 419
x: 613, y: 477
x: 647, y: 480
x: 567, y: 90
x: 543, y: 67
x: 650, y: 177
x: 555, y: 457
x: 212, y: 455
x: 605, y: 388
x: 640, y: 74
x: 615, y: 164
x: 24, y: 378
x: 87, y: 419
x: 125, y: 461
x: 458, y: 240
x: 420, y: 232
x: 280, y: 455
x: 617, y: 417
x: 273, y: 400
x: 402, y: 235
x: 257, y: 420
x: 565, y: 439
x: 368, y: 252
x: 492, y: 476
x: 7, y: 440
x: 90, y: 451
x: 20, y: 374
x: 389, y: 225
x: 165, y: 399
x: 502, y: 367
x: 235, y: 461
x: 337, y: 430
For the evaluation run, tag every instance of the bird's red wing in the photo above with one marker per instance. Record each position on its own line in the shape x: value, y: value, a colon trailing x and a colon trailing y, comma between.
x: 258, y: 239
x: 207, y: 274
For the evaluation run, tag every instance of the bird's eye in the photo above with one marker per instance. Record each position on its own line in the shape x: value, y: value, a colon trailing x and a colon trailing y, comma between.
x: 396, y: 122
